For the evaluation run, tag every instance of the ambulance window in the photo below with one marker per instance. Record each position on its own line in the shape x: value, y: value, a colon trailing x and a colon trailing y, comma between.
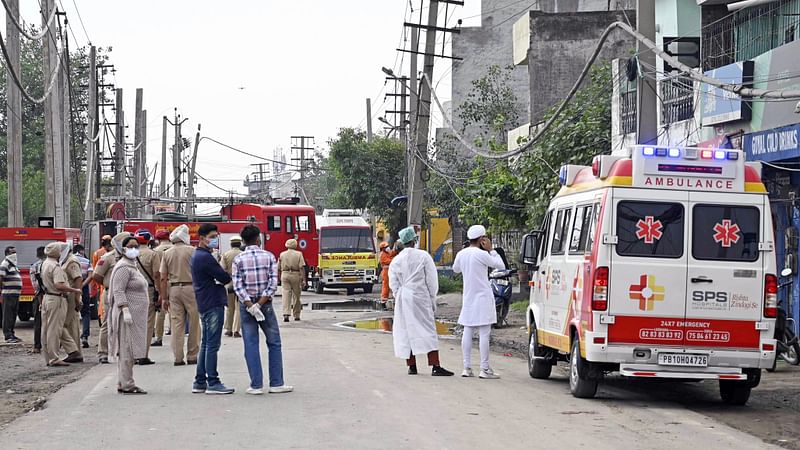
x: 593, y: 228
x: 580, y: 230
x: 560, y: 229
x: 303, y: 223
x: 289, y: 226
x: 724, y: 232
x: 650, y: 229
x: 546, y: 226
x: 274, y: 223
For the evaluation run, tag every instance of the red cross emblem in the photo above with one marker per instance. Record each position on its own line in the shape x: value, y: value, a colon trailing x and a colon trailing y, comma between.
x: 726, y: 233
x: 649, y: 229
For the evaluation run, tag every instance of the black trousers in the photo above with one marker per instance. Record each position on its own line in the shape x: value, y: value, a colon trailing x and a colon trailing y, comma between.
x: 37, y: 322
x: 10, y: 310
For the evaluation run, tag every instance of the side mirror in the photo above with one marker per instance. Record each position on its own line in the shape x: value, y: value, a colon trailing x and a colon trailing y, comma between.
x: 786, y: 272
x: 530, y: 249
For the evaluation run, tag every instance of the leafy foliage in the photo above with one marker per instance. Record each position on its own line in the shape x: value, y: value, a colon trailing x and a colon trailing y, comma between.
x: 368, y: 175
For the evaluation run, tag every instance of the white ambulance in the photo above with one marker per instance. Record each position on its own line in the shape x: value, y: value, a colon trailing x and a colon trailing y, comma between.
x: 658, y: 264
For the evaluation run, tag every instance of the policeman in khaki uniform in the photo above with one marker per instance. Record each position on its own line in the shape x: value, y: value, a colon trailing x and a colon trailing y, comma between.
x: 54, y: 307
x: 292, y: 272
x: 146, y: 263
x: 102, y: 274
x: 164, y: 244
x: 179, y: 300
x: 72, y: 323
x: 232, y: 323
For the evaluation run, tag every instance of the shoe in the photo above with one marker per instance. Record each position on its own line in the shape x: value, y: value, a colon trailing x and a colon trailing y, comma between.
x: 74, y: 357
x: 412, y: 370
x: 280, y: 389
x: 103, y: 360
x: 59, y: 364
x: 254, y: 391
x: 228, y: 334
x: 488, y: 374
x: 157, y: 343
x: 13, y: 340
x: 219, y: 389
x: 467, y: 373
x: 439, y: 371
x: 36, y: 351
x: 296, y: 319
x: 236, y: 334
x: 84, y: 343
x: 168, y: 333
x: 199, y: 388
x: 285, y: 318
x: 191, y: 362
x: 145, y: 361
x: 179, y: 363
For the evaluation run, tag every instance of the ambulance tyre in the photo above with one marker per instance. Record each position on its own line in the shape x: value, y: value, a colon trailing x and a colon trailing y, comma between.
x: 319, y: 288
x: 537, y: 367
x: 734, y: 392
x: 580, y: 385
x: 24, y: 315
x: 368, y: 289
x: 351, y: 291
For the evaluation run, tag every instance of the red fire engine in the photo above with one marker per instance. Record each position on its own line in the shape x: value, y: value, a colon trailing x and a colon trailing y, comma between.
x: 26, y: 241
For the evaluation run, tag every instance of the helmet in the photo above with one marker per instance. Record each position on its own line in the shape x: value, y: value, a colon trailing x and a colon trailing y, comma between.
x: 143, y: 236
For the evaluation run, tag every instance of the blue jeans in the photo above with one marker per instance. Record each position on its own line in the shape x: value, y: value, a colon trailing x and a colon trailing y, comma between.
x: 251, y: 348
x: 211, y: 321
x: 86, y: 313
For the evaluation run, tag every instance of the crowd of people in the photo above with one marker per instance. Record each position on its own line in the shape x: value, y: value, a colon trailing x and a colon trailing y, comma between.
x: 138, y: 280
x: 142, y: 284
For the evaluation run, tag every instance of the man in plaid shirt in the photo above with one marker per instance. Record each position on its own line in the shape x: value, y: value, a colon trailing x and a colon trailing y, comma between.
x: 255, y: 279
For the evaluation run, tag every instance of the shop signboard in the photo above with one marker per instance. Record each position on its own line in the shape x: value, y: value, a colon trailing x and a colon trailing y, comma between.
x: 720, y: 106
x: 773, y: 145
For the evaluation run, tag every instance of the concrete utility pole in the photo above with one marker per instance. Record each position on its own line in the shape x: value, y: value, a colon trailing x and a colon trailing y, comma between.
x: 66, y: 125
x: 14, y: 119
x: 404, y: 108
x: 138, y: 171
x: 163, y: 187
x: 647, y: 126
x: 369, y: 121
x: 417, y: 184
x: 176, y: 153
x: 119, y: 148
x: 302, y: 148
x: 92, y: 158
x: 53, y: 145
x: 190, y: 178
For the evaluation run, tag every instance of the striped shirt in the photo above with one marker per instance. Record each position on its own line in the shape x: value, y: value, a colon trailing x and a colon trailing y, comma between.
x: 255, y: 274
x: 12, y: 280
x: 36, y: 269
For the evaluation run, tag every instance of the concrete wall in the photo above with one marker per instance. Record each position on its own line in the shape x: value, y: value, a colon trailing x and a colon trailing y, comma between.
x: 559, y: 48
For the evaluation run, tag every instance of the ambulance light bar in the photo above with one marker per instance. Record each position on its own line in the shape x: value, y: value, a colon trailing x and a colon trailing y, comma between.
x: 690, y: 153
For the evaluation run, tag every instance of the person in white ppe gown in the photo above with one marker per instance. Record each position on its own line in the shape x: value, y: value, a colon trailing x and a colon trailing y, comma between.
x: 478, y: 311
x: 415, y: 283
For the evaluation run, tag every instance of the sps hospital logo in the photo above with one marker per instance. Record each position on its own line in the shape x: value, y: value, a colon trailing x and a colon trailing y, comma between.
x: 647, y: 292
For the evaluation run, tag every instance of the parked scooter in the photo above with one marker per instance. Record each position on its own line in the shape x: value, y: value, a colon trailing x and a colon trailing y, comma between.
x: 502, y: 290
x: 788, y: 345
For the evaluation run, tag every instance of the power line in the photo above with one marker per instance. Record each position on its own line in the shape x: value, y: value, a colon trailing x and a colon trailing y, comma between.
x: 16, y: 79
x: 10, y: 14
x: 80, y: 19
x: 251, y: 154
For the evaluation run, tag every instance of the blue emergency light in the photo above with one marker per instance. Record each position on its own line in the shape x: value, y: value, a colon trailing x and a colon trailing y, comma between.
x: 648, y: 151
x: 562, y: 175
x: 720, y: 154
x: 674, y: 153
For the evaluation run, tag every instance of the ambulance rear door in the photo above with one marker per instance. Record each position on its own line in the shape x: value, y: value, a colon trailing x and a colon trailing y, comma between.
x: 726, y: 269
x: 647, y: 276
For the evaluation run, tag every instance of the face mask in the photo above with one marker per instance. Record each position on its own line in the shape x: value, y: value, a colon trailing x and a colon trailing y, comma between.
x: 131, y: 253
x: 213, y: 243
x: 12, y: 258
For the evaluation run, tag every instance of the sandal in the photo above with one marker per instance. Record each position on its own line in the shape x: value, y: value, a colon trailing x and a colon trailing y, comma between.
x: 136, y: 390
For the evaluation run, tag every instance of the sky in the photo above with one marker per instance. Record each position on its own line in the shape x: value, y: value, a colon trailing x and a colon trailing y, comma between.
x: 252, y: 73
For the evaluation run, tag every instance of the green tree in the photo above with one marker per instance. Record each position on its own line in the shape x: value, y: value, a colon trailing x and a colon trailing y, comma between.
x: 368, y: 175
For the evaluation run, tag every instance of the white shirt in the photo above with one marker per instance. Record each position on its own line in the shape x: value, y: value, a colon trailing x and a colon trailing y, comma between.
x: 478, y: 301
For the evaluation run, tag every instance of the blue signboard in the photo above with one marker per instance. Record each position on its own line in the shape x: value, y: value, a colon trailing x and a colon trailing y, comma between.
x: 773, y: 145
x: 721, y: 106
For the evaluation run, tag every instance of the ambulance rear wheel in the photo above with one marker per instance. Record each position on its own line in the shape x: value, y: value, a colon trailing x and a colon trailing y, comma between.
x: 734, y: 392
x: 537, y: 367
x: 319, y: 288
x: 24, y: 315
x: 368, y: 289
x: 580, y: 384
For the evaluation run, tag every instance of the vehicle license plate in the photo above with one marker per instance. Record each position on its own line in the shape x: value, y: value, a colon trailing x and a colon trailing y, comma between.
x: 346, y: 279
x: 502, y: 282
x: 682, y: 359
x: 26, y: 298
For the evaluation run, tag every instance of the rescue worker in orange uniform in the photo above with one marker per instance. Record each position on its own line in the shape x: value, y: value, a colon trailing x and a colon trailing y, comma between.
x: 387, y: 254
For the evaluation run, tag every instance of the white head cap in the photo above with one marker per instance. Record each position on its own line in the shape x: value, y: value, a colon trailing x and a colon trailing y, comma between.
x: 476, y: 231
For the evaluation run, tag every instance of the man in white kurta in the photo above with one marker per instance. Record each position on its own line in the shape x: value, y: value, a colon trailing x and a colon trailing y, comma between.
x: 478, y: 311
x: 415, y: 283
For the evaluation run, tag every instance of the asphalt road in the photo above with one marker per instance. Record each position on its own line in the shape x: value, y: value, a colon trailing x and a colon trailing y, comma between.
x: 350, y: 392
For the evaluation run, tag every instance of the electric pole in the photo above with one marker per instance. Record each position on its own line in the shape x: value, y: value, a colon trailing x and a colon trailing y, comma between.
x: 119, y: 148
x: 66, y: 121
x: 647, y: 127
x: 369, y: 121
x: 138, y: 172
x: 14, y: 118
x: 92, y: 161
x: 176, y: 153
x: 302, y: 149
x: 53, y: 145
x: 163, y: 188
x: 190, y: 178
